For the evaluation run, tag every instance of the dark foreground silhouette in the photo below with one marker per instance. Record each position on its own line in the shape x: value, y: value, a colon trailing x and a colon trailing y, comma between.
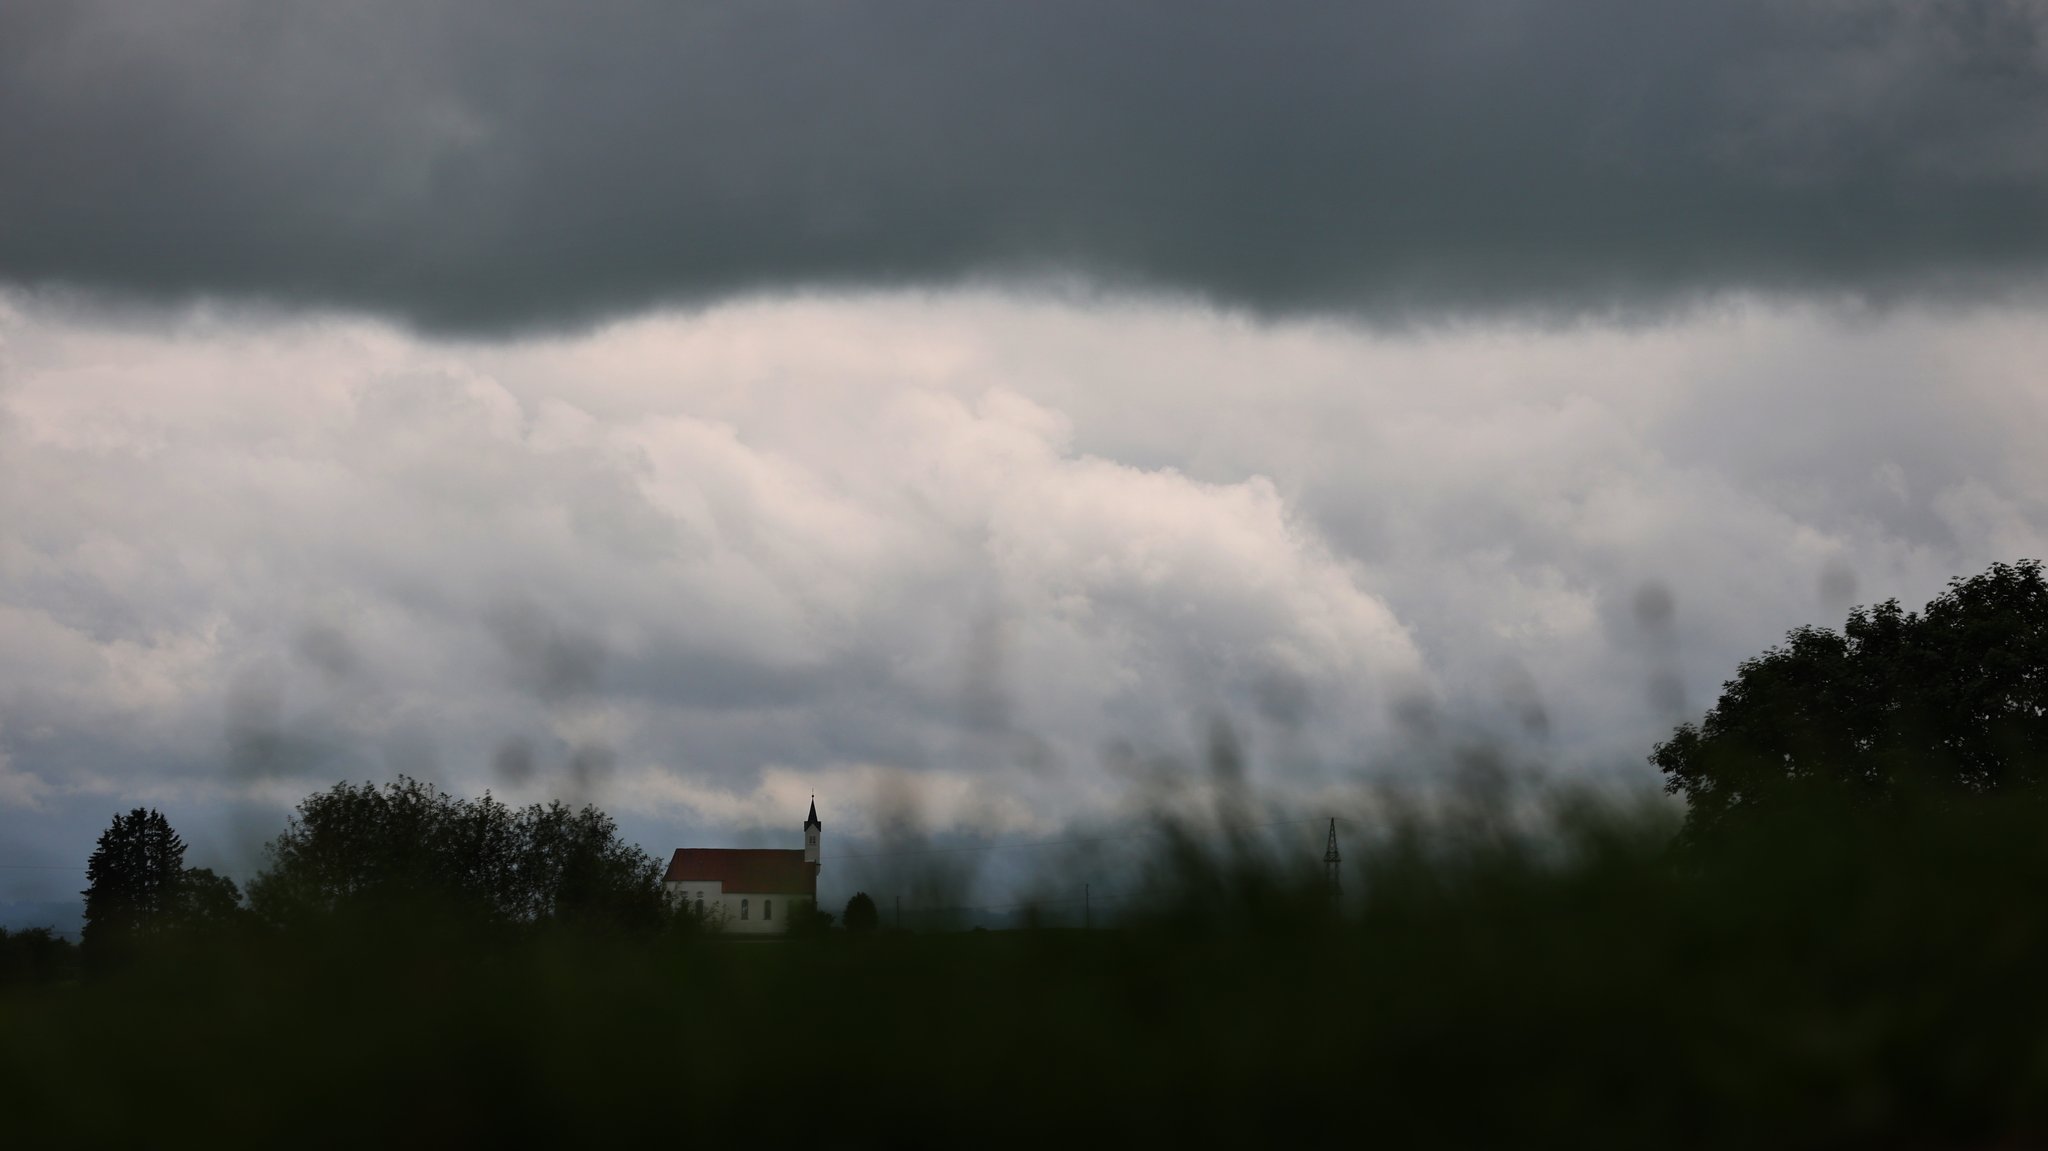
x: 1875, y: 980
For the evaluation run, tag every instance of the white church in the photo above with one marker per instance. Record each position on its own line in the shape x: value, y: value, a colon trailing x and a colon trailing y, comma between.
x: 752, y: 891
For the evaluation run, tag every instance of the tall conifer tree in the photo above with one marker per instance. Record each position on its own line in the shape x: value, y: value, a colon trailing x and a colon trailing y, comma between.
x: 135, y: 875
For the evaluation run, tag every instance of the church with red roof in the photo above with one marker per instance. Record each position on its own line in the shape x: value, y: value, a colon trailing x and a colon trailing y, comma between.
x: 752, y: 891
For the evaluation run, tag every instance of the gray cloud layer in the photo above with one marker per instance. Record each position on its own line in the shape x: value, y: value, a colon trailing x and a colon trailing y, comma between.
x: 470, y: 165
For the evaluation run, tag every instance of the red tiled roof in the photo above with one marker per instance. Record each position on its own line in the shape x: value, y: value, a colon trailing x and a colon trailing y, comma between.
x: 745, y: 869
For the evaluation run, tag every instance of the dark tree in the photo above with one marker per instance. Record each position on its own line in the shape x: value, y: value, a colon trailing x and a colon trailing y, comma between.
x: 406, y: 842
x: 861, y: 916
x: 135, y: 876
x: 574, y: 867
x: 1934, y: 705
x: 409, y: 845
x: 207, y: 902
x: 808, y: 920
x: 35, y: 955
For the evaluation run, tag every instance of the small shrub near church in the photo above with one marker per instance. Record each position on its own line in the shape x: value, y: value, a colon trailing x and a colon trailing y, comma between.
x: 861, y: 916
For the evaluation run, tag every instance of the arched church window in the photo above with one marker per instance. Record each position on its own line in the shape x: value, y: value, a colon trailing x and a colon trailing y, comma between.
x: 700, y: 903
x: 767, y: 909
x: 743, y: 909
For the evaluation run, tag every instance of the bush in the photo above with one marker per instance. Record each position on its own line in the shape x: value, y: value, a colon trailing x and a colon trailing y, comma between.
x: 35, y: 955
x: 861, y: 916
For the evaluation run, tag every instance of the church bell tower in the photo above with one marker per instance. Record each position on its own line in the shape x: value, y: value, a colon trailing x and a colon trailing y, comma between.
x: 812, y: 830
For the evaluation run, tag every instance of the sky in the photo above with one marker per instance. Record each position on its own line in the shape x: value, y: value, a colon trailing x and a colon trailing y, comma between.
x: 974, y: 415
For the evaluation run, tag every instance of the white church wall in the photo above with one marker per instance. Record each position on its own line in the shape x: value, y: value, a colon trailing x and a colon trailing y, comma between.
x: 722, y: 909
x: 753, y: 923
x: 689, y: 893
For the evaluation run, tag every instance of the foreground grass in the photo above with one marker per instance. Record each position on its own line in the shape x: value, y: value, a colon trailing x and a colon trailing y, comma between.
x: 1848, y: 983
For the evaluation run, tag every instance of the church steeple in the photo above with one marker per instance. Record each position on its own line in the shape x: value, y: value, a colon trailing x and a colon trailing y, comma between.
x: 812, y: 831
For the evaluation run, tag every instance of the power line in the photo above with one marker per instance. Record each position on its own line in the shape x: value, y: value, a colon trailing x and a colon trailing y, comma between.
x: 1030, y: 903
x: 1056, y: 842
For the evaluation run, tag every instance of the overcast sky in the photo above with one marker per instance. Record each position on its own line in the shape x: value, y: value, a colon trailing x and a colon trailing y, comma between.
x: 689, y: 408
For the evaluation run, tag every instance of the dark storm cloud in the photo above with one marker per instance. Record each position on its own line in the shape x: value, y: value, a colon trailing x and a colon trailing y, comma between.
x: 473, y: 165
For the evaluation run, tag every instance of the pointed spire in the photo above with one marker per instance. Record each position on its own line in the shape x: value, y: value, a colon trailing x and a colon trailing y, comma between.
x: 1331, y: 860
x: 813, y: 818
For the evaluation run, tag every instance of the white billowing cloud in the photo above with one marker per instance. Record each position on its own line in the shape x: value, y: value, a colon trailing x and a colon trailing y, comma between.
x: 246, y: 552
x: 697, y: 566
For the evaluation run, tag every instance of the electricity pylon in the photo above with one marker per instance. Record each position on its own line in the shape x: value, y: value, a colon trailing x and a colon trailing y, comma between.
x: 1331, y: 860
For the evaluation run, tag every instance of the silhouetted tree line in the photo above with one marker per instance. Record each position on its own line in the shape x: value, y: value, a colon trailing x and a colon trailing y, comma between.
x: 1934, y: 707
x: 36, y: 955
x: 409, y: 845
x: 402, y: 850
x: 141, y: 893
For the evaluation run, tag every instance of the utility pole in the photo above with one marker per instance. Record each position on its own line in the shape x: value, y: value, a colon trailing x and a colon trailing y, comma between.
x: 1331, y: 860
